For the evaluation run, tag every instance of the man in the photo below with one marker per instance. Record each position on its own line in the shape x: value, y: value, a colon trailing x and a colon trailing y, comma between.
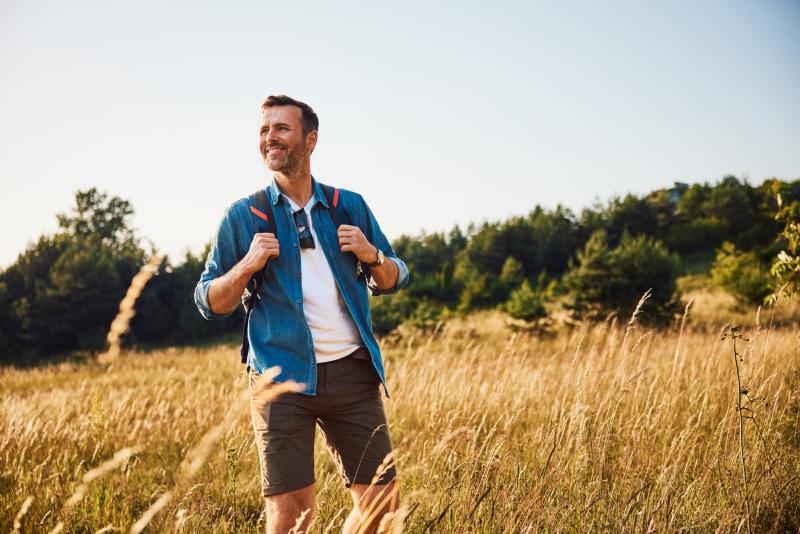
x: 311, y: 318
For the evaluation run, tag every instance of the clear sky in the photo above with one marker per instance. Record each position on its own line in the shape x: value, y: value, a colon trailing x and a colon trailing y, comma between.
x: 438, y: 113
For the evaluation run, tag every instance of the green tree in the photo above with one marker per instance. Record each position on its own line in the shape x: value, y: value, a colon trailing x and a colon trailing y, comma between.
x: 525, y: 303
x: 63, y: 291
x: 694, y: 235
x: 605, y: 280
x: 165, y: 311
x: 740, y: 274
x: 79, y: 299
x: 98, y: 217
x: 512, y: 274
x: 729, y: 204
x: 432, y: 258
x: 692, y: 204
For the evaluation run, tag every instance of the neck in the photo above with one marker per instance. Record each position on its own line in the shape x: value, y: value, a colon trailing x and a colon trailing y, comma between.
x: 296, y: 184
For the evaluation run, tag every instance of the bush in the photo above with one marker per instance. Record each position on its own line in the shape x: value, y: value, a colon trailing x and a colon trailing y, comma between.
x: 613, y: 280
x: 525, y: 303
x: 480, y: 291
x: 741, y: 274
x: 786, y: 265
x: 388, y: 312
x: 426, y: 315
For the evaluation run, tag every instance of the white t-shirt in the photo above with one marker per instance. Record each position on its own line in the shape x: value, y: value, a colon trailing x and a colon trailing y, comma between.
x: 332, y: 327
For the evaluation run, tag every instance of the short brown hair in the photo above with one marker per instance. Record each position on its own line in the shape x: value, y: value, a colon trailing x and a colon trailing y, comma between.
x: 310, y: 119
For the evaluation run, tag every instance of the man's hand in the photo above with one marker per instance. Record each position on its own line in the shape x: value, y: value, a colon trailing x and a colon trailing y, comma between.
x: 263, y: 247
x: 351, y: 239
x: 224, y: 292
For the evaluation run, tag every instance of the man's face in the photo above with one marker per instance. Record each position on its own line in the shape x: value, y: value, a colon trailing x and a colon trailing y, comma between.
x: 282, y: 143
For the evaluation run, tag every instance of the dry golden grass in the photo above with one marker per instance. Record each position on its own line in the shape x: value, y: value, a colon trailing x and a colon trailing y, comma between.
x: 127, y: 309
x: 714, y: 307
x: 495, y: 431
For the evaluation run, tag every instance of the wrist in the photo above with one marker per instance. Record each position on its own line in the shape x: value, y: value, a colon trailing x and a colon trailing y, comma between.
x: 378, y: 258
x: 248, y: 268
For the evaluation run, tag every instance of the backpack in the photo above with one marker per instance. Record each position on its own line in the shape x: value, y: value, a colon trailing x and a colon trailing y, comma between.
x: 261, y: 208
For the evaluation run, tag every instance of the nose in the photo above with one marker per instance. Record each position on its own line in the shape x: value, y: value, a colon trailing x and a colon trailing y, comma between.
x: 271, y: 135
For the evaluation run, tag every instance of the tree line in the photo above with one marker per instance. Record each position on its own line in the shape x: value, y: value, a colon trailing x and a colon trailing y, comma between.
x: 63, y: 291
x: 603, y: 259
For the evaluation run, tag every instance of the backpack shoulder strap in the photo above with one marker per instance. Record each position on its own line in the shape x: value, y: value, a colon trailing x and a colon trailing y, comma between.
x: 261, y: 209
x: 339, y: 213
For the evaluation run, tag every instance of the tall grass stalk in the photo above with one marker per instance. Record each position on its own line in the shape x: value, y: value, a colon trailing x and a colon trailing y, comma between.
x: 121, y: 323
x: 741, y: 393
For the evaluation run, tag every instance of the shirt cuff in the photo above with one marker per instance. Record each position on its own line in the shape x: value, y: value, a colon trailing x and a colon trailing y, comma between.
x: 402, y: 280
x: 201, y: 301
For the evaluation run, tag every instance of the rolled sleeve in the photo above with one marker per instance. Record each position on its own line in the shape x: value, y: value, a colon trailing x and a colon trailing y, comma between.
x: 380, y: 241
x: 402, y: 279
x: 224, y: 254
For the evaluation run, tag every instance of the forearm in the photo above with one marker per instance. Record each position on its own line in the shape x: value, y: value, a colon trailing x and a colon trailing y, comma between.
x: 385, y: 276
x: 225, y: 293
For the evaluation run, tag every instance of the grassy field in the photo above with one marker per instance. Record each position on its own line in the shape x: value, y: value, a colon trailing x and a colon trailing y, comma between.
x: 595, y: 428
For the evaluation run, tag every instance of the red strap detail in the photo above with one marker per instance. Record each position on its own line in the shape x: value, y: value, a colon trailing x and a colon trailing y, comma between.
x: 258, y: 213
x: 335, y: 197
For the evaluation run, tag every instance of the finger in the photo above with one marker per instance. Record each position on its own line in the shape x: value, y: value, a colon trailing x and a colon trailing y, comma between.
x: 272, y: 247
x: 348, y: 230
x: 268, y: 237
x: 352, y: 234
x: 266, y: 243
x: 263, y: 242
x: 270, y: 242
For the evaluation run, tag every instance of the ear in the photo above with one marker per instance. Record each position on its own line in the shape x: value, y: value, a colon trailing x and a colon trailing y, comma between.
x: 311, y: 141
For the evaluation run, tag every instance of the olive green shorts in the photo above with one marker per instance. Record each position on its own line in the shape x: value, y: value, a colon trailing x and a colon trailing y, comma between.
x: 349, y: 411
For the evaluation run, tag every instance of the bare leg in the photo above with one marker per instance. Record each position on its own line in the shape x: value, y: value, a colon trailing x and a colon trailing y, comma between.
x: 370, y: 505
x: 285, y: 509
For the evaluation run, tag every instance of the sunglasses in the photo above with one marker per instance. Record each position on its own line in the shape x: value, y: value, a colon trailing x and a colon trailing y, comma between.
x: 301, y: 221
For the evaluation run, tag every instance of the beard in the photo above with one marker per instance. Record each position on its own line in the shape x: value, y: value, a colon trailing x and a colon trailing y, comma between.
x: 285, y: 162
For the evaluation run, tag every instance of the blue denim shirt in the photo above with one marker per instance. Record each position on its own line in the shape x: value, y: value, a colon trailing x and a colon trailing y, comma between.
x: 278, y: 331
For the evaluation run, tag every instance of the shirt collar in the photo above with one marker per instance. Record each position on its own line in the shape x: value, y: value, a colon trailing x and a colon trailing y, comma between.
x: 275, y: 193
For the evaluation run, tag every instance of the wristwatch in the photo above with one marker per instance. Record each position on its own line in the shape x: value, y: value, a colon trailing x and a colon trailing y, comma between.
x: 381, y: 259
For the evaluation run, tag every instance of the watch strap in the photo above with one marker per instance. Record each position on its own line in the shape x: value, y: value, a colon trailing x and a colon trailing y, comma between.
x: 381, y: 259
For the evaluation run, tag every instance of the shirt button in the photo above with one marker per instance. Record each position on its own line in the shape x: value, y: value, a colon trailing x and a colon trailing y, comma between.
x: 295, y: 245
x: 299, y: 301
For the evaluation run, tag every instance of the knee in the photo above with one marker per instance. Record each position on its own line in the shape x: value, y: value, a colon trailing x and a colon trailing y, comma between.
x: 289, y: 506
x: 288, y: 509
